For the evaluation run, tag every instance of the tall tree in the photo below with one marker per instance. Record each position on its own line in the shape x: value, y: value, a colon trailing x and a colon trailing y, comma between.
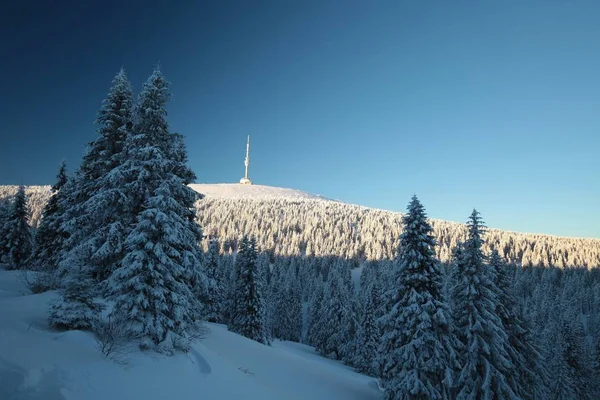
x: 417, y: 355
x: 485, y: 355
x: 248, y: 318
x: 368, y: 333
x: 18, y: 242
x: 528, y: 373
x: 100, y: 206
x: 216, y: 287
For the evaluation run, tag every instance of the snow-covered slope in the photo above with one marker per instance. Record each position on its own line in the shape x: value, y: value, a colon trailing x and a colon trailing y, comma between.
x: 237, y: 191
x: 39, y: 363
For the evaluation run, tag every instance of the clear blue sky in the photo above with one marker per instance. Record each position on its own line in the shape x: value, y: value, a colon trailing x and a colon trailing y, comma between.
x: 487, y: 104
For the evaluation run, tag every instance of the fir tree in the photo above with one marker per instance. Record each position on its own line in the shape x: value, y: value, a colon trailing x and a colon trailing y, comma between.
x: 216, y: 289
x: 75, y: 308
x: 49, y: 237
x: 18, y: 241
x: 151, y: 288
x: 100, y: 208
x: 523, y: 354
x: 417, y: 355
x: 485, y: 355
x: 332, y: 335
x: 368, y: 333
x: 248, y: 318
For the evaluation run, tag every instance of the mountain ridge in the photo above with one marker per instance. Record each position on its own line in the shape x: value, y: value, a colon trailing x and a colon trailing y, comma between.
x: 290, y: 222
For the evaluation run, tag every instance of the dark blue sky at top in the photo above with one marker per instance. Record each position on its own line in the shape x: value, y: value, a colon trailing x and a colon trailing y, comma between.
x: 487, y: 104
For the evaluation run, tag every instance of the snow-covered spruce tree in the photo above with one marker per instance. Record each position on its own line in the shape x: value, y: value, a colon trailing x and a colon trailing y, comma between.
x: 528, y: 372
x: 287, y: 323
x: 49, y: 237
x: 151, y: 288
x: 248, y: 318
x: 485, y: 354
x: 332, y: 335
x: 100, y: 208
x: 418, y: 351
x: 75, y: 308
x: 18, y: 242
x: 368, y: 336
x: 216, y: 289
x: 5, y: 207
x: 315, y: 309
x: 158, y: 282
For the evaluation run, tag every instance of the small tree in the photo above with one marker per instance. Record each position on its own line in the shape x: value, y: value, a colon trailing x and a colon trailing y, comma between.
x: 75, y: 308
x: 18, y: 242
x: 49, y: 236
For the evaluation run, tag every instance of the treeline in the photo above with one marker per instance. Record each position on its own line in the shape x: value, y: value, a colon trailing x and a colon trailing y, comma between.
x: 323, y: 228
x: 319, y: 228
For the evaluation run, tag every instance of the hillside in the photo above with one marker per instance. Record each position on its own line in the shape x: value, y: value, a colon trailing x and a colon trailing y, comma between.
x: 69, y: 366
x: 290, y: 222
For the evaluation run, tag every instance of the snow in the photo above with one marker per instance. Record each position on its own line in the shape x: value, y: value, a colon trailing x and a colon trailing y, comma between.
x: 39, y: 363
x: 238, y: 191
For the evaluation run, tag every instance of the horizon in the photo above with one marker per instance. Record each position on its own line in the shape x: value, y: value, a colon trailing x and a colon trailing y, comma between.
x: 492, y: 106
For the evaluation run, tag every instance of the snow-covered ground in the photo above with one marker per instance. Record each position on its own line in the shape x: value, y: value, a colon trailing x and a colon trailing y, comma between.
x: 237, y: 191
x: 39, y: 363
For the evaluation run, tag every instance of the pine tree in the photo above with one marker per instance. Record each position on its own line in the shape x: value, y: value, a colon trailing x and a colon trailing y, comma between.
x: 18, y: 242
x: 75, y: 308
x: 248, y: 318
x: 417, y: 355
x: 49, y: 237
x: 151, y: 288
x: 485, y: 355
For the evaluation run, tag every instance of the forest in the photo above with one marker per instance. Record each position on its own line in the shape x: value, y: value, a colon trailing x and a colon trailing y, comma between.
x: 439, y: 310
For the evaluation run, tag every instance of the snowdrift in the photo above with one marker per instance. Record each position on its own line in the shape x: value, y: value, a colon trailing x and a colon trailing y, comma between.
x: 39, y: 363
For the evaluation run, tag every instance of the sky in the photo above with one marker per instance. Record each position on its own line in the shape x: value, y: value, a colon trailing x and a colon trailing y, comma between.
x: 486, y: 104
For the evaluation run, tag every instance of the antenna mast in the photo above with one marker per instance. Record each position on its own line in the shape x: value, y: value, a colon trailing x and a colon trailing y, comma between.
x: 245, y: 180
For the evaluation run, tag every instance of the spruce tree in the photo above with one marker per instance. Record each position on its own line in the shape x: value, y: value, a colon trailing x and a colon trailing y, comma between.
x: 485, y: 354
x: 368, y: 333
x: 49, y: 237
x: 332, y: 335
x: 216, y: 289
x: 18, y: 242
x: 158, y: 282
x: 100, y: 208
x: 417, y: 355
x: 247, y: 319
x: 75, y: 308
x: 315, y: 310
x: 524, y: 355
x: 151, y: 288
x: 5, y: 207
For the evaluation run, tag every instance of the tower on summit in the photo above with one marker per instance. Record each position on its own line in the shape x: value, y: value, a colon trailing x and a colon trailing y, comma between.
x: 245, y: 180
